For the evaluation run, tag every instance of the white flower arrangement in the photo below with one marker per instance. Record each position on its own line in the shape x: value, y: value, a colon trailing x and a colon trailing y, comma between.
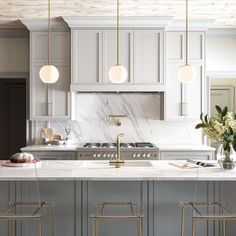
x: 220, y: 128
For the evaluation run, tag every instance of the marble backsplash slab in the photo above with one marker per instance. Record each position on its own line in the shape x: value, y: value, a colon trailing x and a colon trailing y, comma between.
x: 142, y: 121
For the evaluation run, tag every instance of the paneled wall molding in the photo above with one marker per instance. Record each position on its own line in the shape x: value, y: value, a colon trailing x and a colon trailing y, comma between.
x: 222, y: 31
x: 110, y: 21
x: 42, y: 24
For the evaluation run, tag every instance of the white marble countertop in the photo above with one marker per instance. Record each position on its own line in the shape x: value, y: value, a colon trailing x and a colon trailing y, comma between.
x: 46, y: 148
x: 184, y: 147
x: 102, y: 171
x: 75, y: 147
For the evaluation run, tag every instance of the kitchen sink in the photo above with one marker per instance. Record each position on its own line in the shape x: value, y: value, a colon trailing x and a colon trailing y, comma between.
x: 105, y: 164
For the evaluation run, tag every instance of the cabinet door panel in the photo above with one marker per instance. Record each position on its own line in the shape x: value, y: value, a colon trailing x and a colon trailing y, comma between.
x: 39, y: 46
x: 60, y: 46
x: 87, y: 58
x: 175, y: 48
x: 39, y: 96
x: 61, y: 49
x: 173, y: 91
x: 148, y: 56
x: 194, y: 93
x: 196, y: 46
x: 109, y: 46
x: 60, y: 97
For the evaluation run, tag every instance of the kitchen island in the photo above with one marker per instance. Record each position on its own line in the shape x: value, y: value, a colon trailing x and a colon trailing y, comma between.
x: 76, y: 186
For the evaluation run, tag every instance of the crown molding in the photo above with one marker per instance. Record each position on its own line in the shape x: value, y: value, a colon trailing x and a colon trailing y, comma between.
x: 110, y: 21
x: 194, y: 24
x: 57, y: 24
x: 221, y: 74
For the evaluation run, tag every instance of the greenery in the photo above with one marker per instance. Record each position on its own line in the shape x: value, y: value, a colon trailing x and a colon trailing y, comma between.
x: 220, y: 128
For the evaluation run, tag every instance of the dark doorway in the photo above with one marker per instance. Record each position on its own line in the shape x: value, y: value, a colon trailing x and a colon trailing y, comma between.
x: 12, y: 116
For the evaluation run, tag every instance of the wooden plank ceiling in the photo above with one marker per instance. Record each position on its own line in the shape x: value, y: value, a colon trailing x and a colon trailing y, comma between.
x: 224, y: 11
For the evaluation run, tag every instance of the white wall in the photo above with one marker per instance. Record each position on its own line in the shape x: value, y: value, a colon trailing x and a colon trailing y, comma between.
x: 14, y: 52
x: 221, y: 52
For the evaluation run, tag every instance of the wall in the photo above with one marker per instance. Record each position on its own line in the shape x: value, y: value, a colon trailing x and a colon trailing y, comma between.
x: 221, y: 51
x: 14, y: 48
x: 141, y: 124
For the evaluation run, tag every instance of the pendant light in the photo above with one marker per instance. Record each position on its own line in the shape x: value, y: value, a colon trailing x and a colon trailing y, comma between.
x: 186, y: 73
x: 49, y: 74
x: 117, y: 73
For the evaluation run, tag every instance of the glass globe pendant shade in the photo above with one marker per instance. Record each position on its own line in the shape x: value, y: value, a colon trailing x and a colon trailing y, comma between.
x: 49, y: 74
x: 118, y: 74
x: 186, y: 74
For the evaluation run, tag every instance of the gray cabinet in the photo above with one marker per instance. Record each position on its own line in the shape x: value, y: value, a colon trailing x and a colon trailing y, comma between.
x: 175, y: 92
x: 55, y: 101
x: 94, y: 52
x: 148, y: 56
x: 184, y: 155
x: 60, y: 155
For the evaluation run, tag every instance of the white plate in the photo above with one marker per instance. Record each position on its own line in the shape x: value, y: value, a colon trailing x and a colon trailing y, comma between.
x: 32, y: 164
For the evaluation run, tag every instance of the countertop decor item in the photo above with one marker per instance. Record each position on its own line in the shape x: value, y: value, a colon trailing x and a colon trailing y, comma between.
x: 221, y: 129
x: 118, y: 73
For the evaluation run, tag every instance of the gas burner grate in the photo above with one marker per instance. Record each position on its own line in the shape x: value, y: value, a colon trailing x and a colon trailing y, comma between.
x: 109, y: 145
x: 127, y: 145
x: 144, y: 145
x: 92, y: 145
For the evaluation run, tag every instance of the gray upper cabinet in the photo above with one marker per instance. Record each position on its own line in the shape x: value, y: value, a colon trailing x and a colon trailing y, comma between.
x: 53, y: 103
x: 86, y: 56
x: 175, y: 57
x: 148, y: 57
x: 126, y: 52
x: 94, y: 52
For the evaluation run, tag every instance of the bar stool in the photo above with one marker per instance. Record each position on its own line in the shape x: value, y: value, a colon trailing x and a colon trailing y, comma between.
x: 133, y: 213
x: 28, y: 211
x: 205, y: 212
x: 20, y: 211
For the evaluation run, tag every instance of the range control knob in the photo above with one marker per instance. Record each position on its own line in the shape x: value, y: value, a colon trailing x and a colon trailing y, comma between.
x: 134, y: 155
x: 112, y: 155
x: 108, y: 155
x: 104, y: 155
x: 94, y: 155
x: 148, y: 155
x: 138, y: 155
x: 144, y: 155
x: 98, y: 155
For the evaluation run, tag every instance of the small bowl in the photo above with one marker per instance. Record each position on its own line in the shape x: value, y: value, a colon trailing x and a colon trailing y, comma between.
x: 58, y: 142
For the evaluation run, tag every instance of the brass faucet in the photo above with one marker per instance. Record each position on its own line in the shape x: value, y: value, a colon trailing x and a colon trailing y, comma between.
x: 117, y: 161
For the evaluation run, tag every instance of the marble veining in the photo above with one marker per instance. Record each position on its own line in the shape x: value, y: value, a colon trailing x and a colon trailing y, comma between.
x: 141, y: 124
x: 101, y: 170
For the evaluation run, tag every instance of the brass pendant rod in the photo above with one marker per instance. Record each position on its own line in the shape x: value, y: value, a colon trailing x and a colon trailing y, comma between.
x: 186, y: 32
x: 49, y: 32
x: 118, y: 33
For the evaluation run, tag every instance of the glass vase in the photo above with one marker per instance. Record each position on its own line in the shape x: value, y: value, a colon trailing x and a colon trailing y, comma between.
x: 225, y: 160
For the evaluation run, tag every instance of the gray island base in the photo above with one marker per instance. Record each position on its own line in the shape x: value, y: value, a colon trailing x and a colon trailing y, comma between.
x: 76, y: 186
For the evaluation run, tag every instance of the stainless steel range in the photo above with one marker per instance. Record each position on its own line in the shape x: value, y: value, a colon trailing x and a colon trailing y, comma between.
x: 129, y: 151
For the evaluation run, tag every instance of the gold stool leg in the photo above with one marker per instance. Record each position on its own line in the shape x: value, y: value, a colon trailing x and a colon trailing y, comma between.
x: 182, y: 222
x: 140, y: 228
x: 51, y: 220
x: 95, y: 227
x: 40, y: 227
x: 9, y: 228
x: 193, y: 227
x: 224, y: 228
